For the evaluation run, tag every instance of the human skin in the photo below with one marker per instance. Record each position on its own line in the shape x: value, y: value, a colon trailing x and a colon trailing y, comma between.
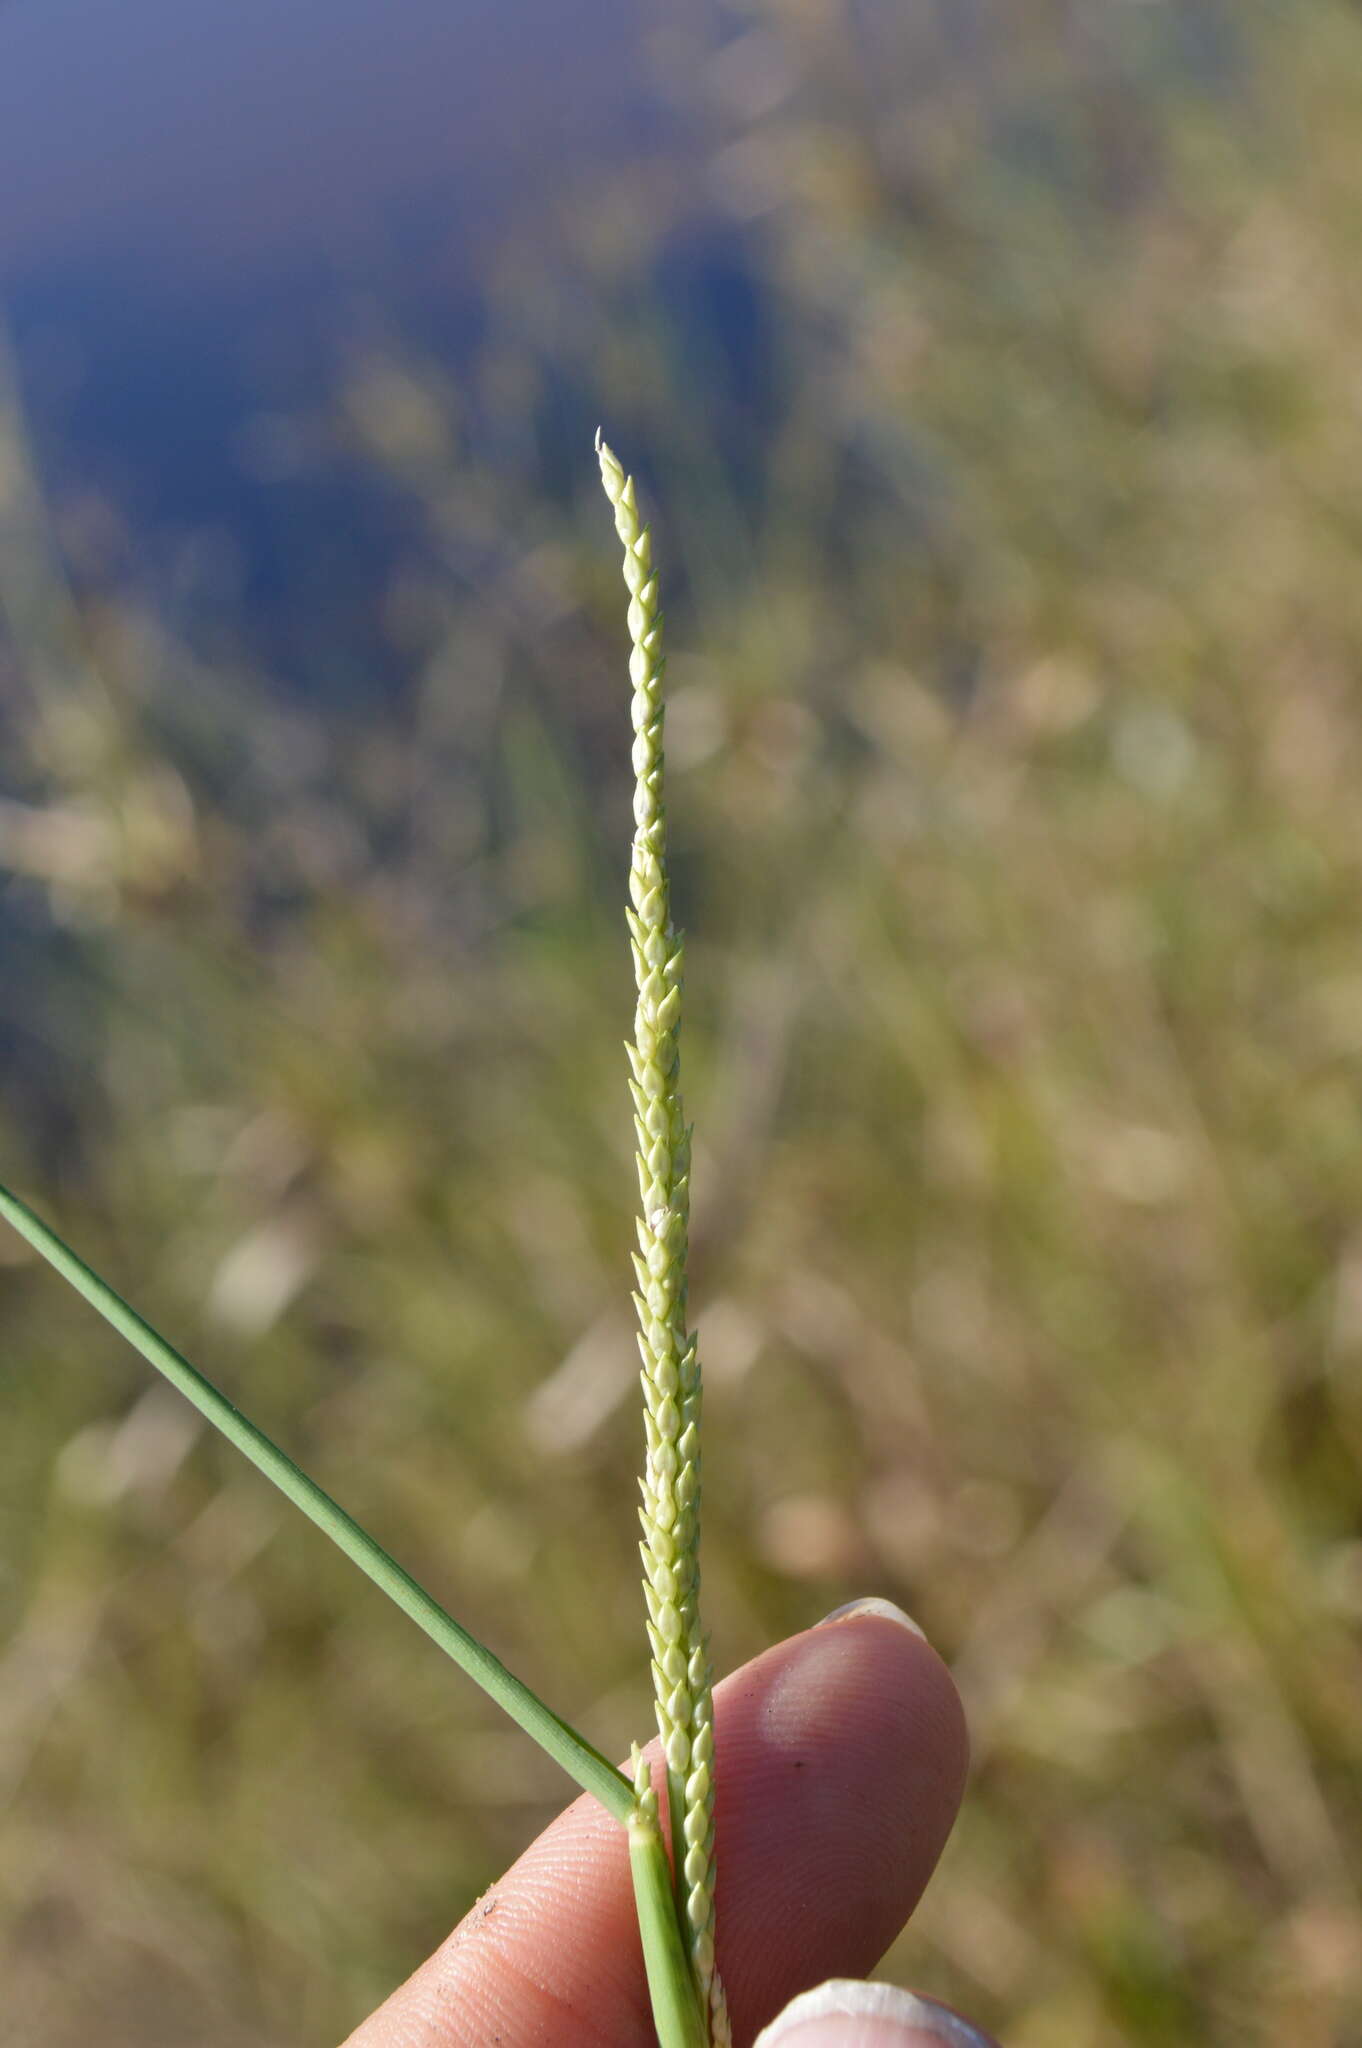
x: 842, y: 1759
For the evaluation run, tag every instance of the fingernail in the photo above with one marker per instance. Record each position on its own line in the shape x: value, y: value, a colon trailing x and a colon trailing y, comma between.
x: 843, y: 2014
x: 872, y: 1604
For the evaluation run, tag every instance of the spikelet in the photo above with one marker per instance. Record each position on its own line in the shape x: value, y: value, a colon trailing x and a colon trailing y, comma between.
x: 671, y: 1373
x: 645, y: 1799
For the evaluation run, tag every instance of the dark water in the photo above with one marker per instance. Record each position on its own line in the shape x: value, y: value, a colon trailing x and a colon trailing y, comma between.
x: 204, y: 203
x: 198, y: 202
x: 225, y: 135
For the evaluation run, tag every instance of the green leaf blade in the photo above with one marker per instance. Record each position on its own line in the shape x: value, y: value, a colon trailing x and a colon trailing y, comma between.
x: 592, y: 1771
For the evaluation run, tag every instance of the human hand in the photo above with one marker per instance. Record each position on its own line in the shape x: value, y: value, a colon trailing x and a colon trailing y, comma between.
x: 843, y: 1762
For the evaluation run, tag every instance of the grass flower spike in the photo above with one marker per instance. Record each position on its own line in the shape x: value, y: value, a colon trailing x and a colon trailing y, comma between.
x: 671, y: 1371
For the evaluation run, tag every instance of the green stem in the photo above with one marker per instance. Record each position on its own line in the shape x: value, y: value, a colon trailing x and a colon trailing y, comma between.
x: 591, y: 1770
x: 677, y: 2015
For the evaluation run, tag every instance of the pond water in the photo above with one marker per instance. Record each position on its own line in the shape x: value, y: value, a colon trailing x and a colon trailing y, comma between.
x: 198, y: 198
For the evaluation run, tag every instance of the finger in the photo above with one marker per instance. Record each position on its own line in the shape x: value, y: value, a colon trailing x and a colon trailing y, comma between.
x: 841, y: 1760
x: 846, y: 2015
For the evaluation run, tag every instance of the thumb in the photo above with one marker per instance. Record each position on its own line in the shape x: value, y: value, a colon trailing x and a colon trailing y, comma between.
x: 843, y: 1760
x: 847, y: 2014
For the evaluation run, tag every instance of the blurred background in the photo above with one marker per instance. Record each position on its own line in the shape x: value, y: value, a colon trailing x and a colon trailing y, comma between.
x: 991, y: 373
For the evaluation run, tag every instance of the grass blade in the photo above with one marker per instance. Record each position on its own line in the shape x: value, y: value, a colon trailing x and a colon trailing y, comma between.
x: 593, y: 1772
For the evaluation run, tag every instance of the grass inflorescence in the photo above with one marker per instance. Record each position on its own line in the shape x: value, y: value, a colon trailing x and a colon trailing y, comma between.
x: 671, y: 1368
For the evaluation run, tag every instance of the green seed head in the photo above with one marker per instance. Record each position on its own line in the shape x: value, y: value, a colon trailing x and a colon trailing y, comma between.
x: 671, y: 1372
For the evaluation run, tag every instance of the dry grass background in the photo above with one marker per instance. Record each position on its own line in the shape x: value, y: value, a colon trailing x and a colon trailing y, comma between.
x: 1017, y: 740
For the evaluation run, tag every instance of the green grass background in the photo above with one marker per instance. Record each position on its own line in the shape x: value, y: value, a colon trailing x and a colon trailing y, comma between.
x: 1016, y: 750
